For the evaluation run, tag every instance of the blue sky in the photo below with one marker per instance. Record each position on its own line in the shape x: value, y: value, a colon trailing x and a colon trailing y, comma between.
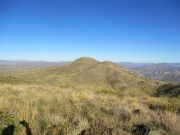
x: 116, y: 30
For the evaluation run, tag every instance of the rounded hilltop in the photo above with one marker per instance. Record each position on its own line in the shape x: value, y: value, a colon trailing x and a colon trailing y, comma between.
x: 86, y: 60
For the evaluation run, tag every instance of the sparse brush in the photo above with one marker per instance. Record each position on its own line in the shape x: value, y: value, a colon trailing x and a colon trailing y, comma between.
x: 93, y: 99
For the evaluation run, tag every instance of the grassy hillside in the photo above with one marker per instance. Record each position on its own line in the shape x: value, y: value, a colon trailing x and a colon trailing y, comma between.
x: 86, y: 72
x: 86, y: 97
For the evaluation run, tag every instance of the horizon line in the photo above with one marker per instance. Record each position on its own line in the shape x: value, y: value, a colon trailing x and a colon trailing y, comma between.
x: 57, y: 61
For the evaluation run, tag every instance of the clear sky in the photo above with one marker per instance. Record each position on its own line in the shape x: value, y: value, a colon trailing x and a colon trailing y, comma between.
x: 117, y: 30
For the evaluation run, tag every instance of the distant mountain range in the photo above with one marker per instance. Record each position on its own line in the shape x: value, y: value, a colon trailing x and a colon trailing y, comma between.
x: 160, y: 71
x: 19, y: 65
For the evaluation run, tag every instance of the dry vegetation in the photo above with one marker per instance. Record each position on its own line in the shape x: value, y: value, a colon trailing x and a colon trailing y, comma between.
x: 53, y: 104
x: 52, y: 110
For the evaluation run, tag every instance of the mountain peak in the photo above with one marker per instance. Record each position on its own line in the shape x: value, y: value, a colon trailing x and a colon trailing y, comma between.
x: 85, y: 60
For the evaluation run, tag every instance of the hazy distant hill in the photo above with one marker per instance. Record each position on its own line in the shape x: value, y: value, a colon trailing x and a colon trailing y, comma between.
x: 131, y: 65
x: 160, y: 71
x: 16, y: 65
x: 172, y: 77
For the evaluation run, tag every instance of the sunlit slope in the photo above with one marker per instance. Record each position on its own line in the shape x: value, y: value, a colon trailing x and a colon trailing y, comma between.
x: 85, y: 72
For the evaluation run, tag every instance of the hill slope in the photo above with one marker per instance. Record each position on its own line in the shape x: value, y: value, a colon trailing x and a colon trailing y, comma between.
x: 89, y: 73
x: 98, y: 98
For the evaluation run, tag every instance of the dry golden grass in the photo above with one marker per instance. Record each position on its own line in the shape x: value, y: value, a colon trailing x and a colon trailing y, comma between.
x: 53, y: 110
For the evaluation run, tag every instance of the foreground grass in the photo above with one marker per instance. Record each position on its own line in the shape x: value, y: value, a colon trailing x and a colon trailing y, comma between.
x: 54, y: 110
